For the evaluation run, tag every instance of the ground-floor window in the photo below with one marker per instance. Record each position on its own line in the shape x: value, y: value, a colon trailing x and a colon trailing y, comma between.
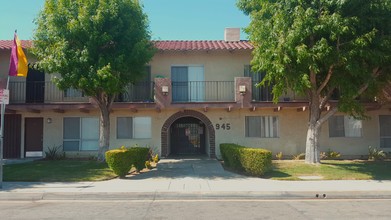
x: 261, y: 126
x: 133, y: 127
x: 385, y: 131
x: 344, y: 126
x: 81, y: 134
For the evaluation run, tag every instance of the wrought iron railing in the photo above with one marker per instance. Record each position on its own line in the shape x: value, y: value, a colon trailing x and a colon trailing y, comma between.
x: 47, y: 92
x: 203, y: 91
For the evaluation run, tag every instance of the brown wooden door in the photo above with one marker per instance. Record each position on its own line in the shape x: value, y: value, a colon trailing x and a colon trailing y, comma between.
x: 33, y: 141
x: 12, y: 136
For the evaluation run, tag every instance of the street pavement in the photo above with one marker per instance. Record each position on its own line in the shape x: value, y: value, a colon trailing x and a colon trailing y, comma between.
x: 195, y: 178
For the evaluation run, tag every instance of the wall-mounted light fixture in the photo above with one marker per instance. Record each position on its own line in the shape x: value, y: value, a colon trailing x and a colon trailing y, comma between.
x: 49, y: 120
x: 165, y: 90
x: 242, y: 89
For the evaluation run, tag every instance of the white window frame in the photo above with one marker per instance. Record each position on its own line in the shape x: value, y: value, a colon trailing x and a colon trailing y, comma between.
x: 81, y: 139
x: 136, y: 134
x: 271, y: 131
x: 348, y: 132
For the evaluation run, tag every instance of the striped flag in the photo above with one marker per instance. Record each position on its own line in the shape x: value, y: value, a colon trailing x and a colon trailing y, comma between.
x: 18, y: 61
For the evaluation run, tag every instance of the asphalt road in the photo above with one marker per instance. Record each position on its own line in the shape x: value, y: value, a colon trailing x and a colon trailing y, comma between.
x: 197, y: 209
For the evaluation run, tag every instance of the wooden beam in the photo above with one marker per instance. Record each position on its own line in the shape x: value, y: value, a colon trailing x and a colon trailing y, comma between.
x: 229, y: 109
x: 134, y: 110
x: 278, y: 109
x: 205, y: 108
x: 253, y: 108
x: 158, y: 109
x: 302, y: 109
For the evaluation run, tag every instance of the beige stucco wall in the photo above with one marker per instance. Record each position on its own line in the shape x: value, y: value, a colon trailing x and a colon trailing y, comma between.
x: 218, y: 65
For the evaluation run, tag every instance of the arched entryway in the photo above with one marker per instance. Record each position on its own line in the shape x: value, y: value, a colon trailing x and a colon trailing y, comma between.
x: 195, y: 131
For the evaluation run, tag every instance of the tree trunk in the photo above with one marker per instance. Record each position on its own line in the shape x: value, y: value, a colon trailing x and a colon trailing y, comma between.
x: 104, y: 132
x: 312, y: 145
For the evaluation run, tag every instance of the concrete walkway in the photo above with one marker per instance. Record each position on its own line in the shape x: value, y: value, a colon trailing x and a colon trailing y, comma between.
x: 201, y: 178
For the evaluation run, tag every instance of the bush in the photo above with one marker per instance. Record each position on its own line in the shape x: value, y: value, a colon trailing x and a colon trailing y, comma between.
x: 253, y: 161
x: 54, y: 153
x: 300, y: 156
x: 138, y: 156
x: 279, y: 156
x: 119, y: 161
x: 329, y: 155
x: 376, y: 154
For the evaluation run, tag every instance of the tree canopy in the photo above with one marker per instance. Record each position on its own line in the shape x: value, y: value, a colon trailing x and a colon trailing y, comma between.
x: 319, y: 47
x: 97, y: 47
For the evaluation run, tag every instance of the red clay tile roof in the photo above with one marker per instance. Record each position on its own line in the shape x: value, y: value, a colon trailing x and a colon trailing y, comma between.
x: 168, y: 45
x: 202, y: 45
x: 7, y: 44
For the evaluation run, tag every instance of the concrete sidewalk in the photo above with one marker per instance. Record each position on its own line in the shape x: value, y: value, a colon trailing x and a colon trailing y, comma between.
x: 194, y: 178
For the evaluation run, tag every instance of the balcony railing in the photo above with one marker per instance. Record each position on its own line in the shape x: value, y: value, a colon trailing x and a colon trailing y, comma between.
x: 47, y: 92
x: 203, y: 91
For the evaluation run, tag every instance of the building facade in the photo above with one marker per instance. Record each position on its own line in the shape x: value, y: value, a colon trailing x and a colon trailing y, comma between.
x: 197, y: 95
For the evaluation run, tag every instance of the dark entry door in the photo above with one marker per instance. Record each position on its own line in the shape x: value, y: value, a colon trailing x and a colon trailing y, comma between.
x: 187, y: 136
x: 35, y: 86
x: 12, y: 136
x: 33, y: 137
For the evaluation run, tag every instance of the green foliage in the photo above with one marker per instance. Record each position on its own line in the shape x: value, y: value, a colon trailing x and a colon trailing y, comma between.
x: 253, y: 161
x: 138, y: 156
x: 119, y: 161
x: 329, y: 155
x: 148, y: 164
x: 96, y: 46
x: 300, y: 156
x: 279, y: 156
x: 54, y: 153
x: 376, y: 154
x: 156, y: 158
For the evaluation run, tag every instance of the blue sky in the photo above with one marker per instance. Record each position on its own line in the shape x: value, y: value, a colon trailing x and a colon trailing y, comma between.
x: 169, y: 19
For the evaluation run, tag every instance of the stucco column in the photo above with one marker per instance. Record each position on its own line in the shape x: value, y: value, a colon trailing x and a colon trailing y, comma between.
x: 163, y: 92
x: 243, y: 91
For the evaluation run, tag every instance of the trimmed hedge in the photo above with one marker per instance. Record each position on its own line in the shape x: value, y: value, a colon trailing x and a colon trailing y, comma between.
x: 121, y: 160
x: 253, y: 161
x: 138, y: 157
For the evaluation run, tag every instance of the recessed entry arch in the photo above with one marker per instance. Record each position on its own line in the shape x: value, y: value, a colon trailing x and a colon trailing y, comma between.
x: 209, y: 130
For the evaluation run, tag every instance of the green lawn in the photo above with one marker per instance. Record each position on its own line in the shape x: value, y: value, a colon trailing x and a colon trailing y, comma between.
x: 331, y: 170
x: 58, y: 170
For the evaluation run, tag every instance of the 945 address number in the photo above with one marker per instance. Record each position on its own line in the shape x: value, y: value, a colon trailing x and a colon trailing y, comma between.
x: 223, y: 126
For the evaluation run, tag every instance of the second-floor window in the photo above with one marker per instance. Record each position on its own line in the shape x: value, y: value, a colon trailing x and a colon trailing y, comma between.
x: 188, y: 83
x: 344, y: 126
x: 263, y: 93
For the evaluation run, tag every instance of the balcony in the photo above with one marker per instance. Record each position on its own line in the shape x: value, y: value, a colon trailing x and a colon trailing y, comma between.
x: 203, y: 91
x: 48, y: 93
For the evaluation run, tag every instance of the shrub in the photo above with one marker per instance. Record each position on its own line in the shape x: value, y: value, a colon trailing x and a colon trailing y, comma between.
x: 138, y: 156
x: 156, y: 158
x: 376, y: 154
x: 253, y: 161
x: 300, y: 156
x: 54, y: 153
x: 279, y: 156
x: 119, y: 161
x: 148, y: 164
x: 329, y: 155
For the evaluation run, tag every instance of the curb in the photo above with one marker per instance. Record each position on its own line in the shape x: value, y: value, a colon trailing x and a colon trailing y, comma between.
x: 166, y: 196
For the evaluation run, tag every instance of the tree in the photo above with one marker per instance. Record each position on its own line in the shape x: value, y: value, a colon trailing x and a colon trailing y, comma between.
x: 318, y: 48
x: 97, y: 46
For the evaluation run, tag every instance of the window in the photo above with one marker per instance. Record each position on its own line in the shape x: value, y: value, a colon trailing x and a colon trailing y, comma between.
x: 188, y: 83
x: 261, y: 126
x: 344, y: 126
x: 81, y: 134
x: 137, y: 127
x: 263, y: 93
x: 73, y: 93
x: 385, y: 131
